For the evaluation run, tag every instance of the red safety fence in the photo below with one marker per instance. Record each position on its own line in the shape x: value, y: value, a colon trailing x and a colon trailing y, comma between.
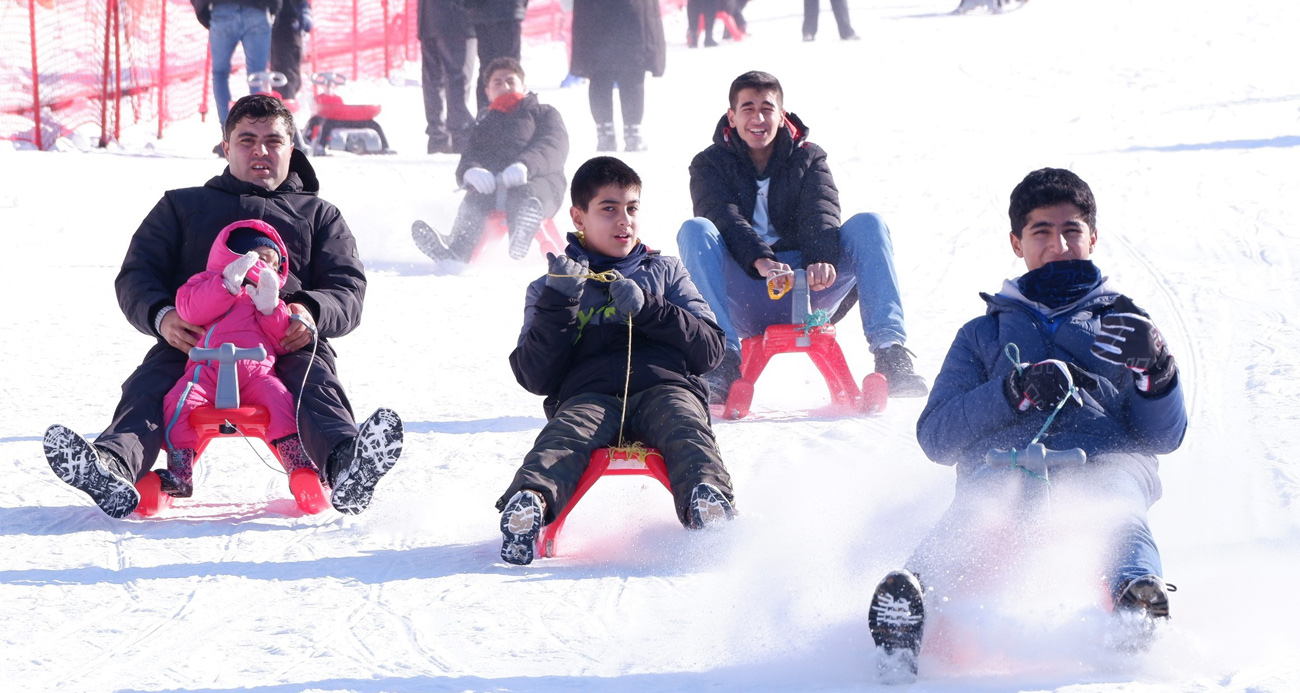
x: 117, y: 63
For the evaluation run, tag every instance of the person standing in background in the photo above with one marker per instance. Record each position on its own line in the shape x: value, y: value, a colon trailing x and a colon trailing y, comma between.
x: 230, y: 23
x: 812, y: 8
x: 617, y: 42
x: 447, y: 46
x: 293, y: 21
x: 498, y: 28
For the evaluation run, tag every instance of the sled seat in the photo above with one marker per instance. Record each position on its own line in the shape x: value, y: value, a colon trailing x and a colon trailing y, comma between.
x: 496, y: 229
x: 604, y: 462
x: 331, y: 107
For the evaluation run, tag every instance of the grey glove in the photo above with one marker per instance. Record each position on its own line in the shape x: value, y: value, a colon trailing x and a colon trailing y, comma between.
x: 566, y: 275
x: 628, y: 296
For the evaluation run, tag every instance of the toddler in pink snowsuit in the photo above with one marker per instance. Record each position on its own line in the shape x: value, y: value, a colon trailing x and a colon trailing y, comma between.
x: 237, y: 299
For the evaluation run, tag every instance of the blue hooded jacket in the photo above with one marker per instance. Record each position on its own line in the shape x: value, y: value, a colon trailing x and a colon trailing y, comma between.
x: 967, y: 413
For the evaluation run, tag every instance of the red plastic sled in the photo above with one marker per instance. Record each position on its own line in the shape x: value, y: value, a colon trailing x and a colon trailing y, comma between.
x: 818, y: 341
x: 605, y: 461
x: 820, y: 345
x: 251, y: 421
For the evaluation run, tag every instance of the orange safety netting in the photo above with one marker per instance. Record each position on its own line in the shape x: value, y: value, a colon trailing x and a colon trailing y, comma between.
x: 109, y: 64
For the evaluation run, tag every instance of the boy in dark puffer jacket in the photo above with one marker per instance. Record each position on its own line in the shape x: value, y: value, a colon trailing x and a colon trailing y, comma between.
x: 574, y: 349
x: 514, y: 160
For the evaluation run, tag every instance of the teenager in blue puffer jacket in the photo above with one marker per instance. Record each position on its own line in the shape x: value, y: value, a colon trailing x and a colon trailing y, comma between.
x: 1060, y: 350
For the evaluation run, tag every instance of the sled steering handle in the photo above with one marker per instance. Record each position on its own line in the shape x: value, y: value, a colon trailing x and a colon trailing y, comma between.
x: 226, y: 356
x: 1036, y: 458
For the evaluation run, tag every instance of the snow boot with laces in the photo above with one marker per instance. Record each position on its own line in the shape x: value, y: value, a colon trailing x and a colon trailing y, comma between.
x: 897, y: 619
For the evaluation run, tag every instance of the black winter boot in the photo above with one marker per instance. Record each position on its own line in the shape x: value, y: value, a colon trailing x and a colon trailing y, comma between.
x: 632, y: 141
x: 374, y: 452
x: 605, y: 139
x: 897, y: 620
x: 521, y: 522
x: 94, y: 471
x: 895, y: 363
x: 708, y: 507
x: 523, y: 228
x: 721, y: 378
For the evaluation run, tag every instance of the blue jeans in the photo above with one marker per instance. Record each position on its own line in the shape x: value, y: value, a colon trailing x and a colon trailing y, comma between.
x: 231, y: 25
x: 741, y: 303
x: 994, y: 510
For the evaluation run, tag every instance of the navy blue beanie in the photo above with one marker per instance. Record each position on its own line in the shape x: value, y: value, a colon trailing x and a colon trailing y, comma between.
x: 244, y: 239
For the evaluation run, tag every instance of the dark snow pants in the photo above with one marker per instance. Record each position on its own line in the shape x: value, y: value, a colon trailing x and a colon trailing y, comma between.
x: 667, y: 417
x: 137, y: 432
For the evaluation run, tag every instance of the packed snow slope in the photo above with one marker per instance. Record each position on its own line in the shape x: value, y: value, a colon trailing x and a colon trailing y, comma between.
x: 1182, y: 116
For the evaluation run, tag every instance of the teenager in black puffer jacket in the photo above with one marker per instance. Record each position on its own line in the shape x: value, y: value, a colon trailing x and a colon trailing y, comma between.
x: 765, y: 202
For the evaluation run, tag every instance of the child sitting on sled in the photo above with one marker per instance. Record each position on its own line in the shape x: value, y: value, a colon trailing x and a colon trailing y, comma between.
x: 609, y: 288
x: 237, y: 300
x: 518, y: 144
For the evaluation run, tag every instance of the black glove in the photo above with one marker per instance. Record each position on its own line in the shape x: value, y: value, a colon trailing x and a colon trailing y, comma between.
x: 628, y: 296
x: 1044, y: 384
x: 566, y: 275
x: 1128, y: 338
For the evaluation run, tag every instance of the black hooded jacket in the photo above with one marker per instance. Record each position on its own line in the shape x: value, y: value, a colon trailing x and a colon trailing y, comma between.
x: 531, y: 132
x: 803, y: 203
x: 569, y: 346
x: 173, y: 242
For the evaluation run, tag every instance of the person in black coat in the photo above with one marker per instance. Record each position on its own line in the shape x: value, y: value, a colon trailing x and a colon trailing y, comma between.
x: 765, y: 202
x: 617, y: 41
x: 514, y: 160
x: 498, y: 28
x: 617, y: 361
x: 447, y: 68
x: 325, y: 290
x: 293, y: 21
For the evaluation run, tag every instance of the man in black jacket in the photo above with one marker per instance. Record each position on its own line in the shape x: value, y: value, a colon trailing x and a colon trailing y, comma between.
x: 630, y: 351
x: 764, y: 202
x: 514, y: 161
x: 266, y: 179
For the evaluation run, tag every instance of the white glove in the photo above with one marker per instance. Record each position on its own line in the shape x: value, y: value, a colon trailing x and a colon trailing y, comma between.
x: 514, y: 175
x: 481, y: 180
x: 266, y: 295
x: 233, y: 275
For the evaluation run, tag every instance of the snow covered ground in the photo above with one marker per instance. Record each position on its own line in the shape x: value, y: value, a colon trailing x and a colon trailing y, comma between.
x: 1183, y: 116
